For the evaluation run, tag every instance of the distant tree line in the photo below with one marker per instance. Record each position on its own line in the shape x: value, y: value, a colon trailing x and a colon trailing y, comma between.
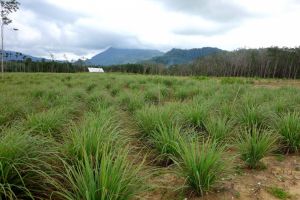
x: 270, y: 62
x: 43, y: 66
x: 143, y: 68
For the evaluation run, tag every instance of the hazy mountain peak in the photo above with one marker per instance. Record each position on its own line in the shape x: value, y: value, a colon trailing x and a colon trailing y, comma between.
x: 117, y: 56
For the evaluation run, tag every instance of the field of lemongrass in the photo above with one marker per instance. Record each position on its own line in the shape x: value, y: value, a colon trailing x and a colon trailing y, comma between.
x: 118, y: 137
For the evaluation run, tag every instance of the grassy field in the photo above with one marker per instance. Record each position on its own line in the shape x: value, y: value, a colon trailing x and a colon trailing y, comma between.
x: 117, y: 137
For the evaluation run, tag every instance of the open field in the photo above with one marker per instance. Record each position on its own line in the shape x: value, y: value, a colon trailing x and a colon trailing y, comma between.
x: 118, y: 136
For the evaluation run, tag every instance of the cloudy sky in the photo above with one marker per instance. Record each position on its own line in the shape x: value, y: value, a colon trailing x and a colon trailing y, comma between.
x: 78, y: 28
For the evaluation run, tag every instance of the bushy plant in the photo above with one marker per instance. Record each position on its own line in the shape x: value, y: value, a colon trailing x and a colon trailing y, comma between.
x: 48, y: 123
x: 195, y: 114
x: 202, y: 165
x: 91, y: 87
x: 153, y: 95
x: 251, y: 116
x: 131, y: 101
x: 115, y: 91
x: 219, y: 129
x: 149, y: 118
x: 166, y: 139
x: 23, y: 161
x: 186, y: 92
x: 14, y: 108
x: 109, y: 175
x: 256, y: 144
x: 99, y: 100
x: 288, y: 126
x: 96, y: 131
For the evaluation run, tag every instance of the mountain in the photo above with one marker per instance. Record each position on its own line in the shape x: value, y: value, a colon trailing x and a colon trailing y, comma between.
x: 181, y: 56
x: 114, y: 56
x: 17, y: 56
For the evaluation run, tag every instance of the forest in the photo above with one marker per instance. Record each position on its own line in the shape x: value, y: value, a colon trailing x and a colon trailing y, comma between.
x: 43, y: 66
x: 270, y: 62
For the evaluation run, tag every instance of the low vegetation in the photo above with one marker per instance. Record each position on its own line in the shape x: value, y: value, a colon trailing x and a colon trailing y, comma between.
x: 279, y: 193
x: 202, y: 165
x: 110, y: 136
x: 254, y: 145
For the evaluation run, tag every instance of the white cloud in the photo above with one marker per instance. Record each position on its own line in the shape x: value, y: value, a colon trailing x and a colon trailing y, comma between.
x: 84, y: 27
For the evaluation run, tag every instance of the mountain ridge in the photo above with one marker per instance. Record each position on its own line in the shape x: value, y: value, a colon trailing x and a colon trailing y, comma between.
x: 18, y: 56
x: 116, y: 56
x: 184, y: 56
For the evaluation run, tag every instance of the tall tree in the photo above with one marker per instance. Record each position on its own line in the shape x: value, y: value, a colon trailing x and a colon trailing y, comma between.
x: 7, y: 7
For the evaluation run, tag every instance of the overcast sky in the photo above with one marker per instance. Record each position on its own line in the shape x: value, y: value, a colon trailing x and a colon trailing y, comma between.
x: 79, y: 28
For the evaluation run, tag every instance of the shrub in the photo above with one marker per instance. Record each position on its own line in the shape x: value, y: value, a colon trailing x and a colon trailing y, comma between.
x: 195, y: 115
x: 166, y: 139
x: 153, y: 95
x: 14, y: 108
x: 91, y: 87
x: 78, y: 94
x: 255, y: 145
x: 115, y: 91
x: 48, y: 123
x: 110, y: 175
x: 149, y: 118
x: 100, y: 101
x: 132, y: 101
x: 282, y: 105
x: 186, y: 92
x: 202, y: 165
x: 23, y: 160
x: 48, y: 98
x: 97, y: 130
x: 288, y: 127
x: 252, y: 116
x: 218, y: 129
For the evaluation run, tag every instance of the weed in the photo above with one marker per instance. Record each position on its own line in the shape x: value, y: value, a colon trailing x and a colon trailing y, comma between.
x: 279, y: 193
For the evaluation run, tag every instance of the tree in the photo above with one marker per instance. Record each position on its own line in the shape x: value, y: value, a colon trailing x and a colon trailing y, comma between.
x: 7, y: 7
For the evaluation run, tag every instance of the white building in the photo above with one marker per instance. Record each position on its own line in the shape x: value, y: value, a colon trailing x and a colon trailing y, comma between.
x: 96, y: 70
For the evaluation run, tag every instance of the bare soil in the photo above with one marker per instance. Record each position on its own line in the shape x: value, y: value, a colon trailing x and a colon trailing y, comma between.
x: 245, y: 184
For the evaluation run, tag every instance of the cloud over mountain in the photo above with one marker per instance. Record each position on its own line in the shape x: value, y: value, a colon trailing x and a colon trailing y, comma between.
x: 85, y: 27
